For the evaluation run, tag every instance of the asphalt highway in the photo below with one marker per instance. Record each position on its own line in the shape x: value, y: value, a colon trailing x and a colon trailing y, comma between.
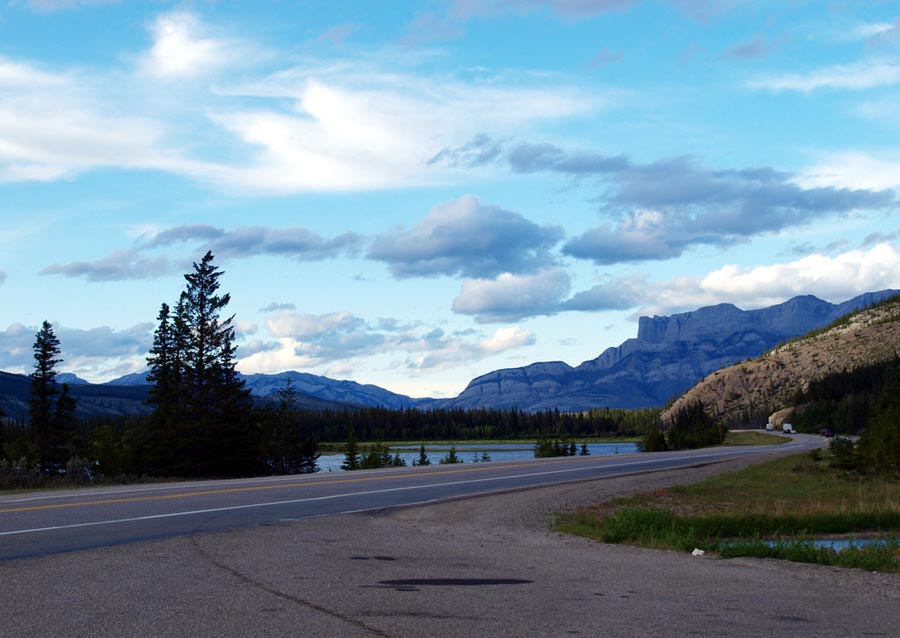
x: 39, y: 524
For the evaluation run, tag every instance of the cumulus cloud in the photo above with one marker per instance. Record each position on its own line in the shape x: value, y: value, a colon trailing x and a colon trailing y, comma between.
x: 508, y: 296
x: 852, y: 170
x: 135, y: 263
x: 335, y: 340
x: 469, y: 238
x: 182, y: 47
x: 835, y: 279
x: 661, y: 209
x: 507, y: 338
x: 96, y: 353
x: 300, y: 326
x: 446, y: 351
x: 613, y: 294
x: 122, y: 264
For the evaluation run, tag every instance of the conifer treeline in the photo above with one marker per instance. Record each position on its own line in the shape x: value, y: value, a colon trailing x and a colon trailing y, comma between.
x: 373, y: 424
x: 205, y: 423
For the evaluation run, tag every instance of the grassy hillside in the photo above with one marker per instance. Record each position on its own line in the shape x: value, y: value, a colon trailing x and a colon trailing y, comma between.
x: 750, y: 391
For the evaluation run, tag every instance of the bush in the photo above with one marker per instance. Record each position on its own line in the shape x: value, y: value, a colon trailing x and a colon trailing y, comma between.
x: 653, y: 441
x: 843, y: 453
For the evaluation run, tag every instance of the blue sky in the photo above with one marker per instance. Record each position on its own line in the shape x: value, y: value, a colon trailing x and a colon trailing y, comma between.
x: 415, y: 193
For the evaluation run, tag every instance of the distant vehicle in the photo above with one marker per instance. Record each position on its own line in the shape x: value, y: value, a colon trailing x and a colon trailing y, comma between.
x: 787, y: 428
x: 826, y: 432
x: 770, y: 427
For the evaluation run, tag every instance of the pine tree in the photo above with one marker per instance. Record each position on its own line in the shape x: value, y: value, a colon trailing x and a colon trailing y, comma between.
x: 203, y: 420
x: 290, y: 452
x: 451, y: 457
x: 351, y: 456
x: 423, y: 457
x: 43, y: 388
x: 51, y: 419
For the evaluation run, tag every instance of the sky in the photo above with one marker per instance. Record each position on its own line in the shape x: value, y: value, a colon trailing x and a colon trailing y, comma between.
x: 412, y: 194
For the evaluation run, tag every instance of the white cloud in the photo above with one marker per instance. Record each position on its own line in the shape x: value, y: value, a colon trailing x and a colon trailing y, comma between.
x: 507, y: 338
x: 853, y: 170
x: 870, y: 30
x: 467, y: 237
x: 181, y: 47
x: 56, y: 125
x: 300, y: 326
x: 365, y: 129
x: 856, y: 76
x: 96, y: 354
x: 339, y: 340
x: 325, y: 126
x: 835, y: 279
x: 508, y: 297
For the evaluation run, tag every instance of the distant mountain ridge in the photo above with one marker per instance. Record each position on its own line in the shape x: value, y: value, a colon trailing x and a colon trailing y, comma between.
x: 769, y: 383
x: 669, y: 355
x: 341, y: 392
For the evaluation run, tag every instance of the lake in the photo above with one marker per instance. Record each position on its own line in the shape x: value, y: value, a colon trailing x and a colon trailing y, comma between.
x: 472, y: 452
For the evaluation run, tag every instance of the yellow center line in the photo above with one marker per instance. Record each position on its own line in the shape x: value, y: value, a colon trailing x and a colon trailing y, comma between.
x: 261, y: 488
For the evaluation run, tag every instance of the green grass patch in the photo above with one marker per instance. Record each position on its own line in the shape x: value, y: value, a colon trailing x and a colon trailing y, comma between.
x: 746, y: 437
x: 789, y: 500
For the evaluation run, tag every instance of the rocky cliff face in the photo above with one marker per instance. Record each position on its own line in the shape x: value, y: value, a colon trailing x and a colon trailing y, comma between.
x: 769, y: 383
x: 669, y: 355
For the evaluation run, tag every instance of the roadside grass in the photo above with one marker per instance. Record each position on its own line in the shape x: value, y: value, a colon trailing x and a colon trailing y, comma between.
x: 770, y: 510
x: 747, y: 437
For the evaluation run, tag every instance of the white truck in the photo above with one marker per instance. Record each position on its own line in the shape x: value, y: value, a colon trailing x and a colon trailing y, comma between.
x: 787, y: 428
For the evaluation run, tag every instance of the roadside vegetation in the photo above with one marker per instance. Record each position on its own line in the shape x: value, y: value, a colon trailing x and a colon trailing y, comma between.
x: 750, y: 437
x: 772, y: 510
x: 205, y: 424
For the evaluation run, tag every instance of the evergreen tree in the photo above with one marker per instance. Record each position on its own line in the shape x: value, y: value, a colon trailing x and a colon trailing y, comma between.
x: 51, y: 418
x: 203, y: 416
x: 451, y: 457
x: 290, y: 452
x: 351, y: 456
x: 2, y: 433
x: 423, y: 457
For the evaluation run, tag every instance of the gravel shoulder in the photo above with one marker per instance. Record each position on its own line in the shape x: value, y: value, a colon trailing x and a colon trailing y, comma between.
x: 477, y: 566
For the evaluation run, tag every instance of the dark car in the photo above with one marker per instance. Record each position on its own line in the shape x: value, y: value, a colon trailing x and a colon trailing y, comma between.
x: 826, y: 432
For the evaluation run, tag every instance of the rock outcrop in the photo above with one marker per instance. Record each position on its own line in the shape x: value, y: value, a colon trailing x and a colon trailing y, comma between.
x: 669, y: 355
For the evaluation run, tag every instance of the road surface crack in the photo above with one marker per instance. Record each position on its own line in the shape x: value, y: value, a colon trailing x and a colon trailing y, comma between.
x: 244, y: 578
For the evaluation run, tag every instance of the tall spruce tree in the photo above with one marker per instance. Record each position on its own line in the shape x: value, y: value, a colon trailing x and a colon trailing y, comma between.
x: 51, y: 415
x: 203, y: 420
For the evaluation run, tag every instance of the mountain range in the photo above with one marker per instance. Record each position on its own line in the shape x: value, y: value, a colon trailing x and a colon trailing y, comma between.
x: 669, y: 355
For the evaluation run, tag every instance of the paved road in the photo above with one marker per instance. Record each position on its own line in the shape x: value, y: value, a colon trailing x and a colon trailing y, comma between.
x: 49, y: 523
x: 486, y: 566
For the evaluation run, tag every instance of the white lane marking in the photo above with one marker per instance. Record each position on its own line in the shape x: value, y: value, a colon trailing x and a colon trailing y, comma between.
x: 100, y: 492
x: 351, y: 494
